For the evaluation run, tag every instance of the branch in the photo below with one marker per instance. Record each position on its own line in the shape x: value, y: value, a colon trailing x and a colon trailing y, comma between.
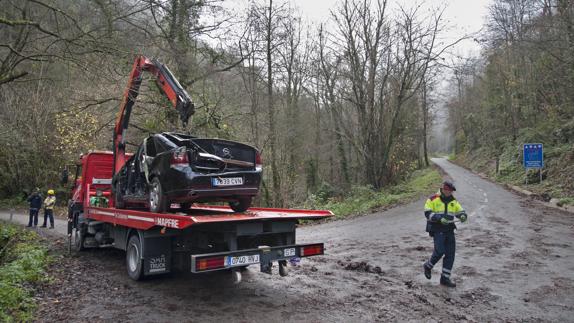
x: 12, y: 77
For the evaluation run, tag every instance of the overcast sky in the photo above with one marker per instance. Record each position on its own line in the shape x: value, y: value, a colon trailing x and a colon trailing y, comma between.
x: 463, y: 16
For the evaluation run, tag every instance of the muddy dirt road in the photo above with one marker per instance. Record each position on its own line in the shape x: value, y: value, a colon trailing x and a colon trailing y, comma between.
x: 514, y: 262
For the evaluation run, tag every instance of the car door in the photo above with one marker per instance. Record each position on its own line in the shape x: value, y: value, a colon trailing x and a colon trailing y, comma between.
x: 148, y: 155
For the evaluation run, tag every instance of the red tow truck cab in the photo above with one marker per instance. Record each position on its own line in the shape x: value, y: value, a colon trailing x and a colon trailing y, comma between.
x: 201, y: 239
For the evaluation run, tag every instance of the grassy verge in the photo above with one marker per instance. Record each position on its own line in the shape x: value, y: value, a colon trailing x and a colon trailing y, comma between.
x: 363, y: 200
x: 22, y: 264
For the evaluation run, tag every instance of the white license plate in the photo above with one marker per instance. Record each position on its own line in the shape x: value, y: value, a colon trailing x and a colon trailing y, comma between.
x: 242, y: 260
x: 289, y: 252
x: 227, y: 181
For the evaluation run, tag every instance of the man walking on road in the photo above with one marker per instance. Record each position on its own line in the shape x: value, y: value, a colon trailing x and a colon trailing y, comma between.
x: 35, y: 200
x: 440, y: 211
x: 49, y: 209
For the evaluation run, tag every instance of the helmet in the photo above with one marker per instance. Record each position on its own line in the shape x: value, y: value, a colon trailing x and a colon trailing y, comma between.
x: 448, y: 185
x: 50, y: 192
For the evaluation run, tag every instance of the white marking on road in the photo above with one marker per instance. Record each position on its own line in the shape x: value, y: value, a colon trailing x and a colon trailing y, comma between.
x: 476, y: 212
x: 484, y: 194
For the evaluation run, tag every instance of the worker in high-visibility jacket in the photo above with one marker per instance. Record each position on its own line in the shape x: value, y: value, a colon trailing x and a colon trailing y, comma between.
x: 49, y: 204
x: 440, y: 210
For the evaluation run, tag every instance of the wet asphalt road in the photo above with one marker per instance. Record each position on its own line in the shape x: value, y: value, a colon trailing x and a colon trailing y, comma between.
x: 514, y: 262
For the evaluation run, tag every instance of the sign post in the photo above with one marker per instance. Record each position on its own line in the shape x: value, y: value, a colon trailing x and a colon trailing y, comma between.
x: 533, y: 157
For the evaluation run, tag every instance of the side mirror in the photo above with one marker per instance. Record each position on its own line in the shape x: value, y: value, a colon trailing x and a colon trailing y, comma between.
x: 64, y: 177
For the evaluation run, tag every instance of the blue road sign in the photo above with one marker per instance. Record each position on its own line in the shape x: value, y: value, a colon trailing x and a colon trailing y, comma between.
x: 533, y: 156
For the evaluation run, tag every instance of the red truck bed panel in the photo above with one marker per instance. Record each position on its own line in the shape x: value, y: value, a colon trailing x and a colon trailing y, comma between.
x: 202, y: 214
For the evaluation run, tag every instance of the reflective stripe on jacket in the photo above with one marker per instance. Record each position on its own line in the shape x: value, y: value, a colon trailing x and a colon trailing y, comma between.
x: 447, y: 207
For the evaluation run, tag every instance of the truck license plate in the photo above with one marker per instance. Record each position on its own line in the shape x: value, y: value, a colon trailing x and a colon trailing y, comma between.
x: 227, y: 181
x: 242, y: 260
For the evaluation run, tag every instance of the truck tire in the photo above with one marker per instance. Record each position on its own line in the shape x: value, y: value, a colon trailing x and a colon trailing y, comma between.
x: 157, y: 200
x: 79, y: 237
x: 241, y: 205
x: 134, y: 262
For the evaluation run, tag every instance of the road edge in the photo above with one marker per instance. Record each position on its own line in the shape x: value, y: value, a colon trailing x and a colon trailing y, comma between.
x: 553, y: 203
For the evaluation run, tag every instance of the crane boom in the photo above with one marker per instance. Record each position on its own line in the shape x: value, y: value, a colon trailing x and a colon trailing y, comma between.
x: 168, y: 85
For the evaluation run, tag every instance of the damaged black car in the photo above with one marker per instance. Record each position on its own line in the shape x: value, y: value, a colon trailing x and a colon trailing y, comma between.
x: 174, y: 168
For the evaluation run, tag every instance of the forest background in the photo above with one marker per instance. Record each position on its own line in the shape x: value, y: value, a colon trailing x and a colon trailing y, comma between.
x: 334, y: 111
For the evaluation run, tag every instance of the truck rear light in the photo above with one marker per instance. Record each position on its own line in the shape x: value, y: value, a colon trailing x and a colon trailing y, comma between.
x: 209, y: 263
x: 311, y: 250
x: 179, y: 157
x: 258, y: 161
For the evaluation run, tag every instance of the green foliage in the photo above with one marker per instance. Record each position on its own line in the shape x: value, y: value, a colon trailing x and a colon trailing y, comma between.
x: 558, y: 172
x: 566, y: 201
x: 364, y: 199
x: 22, y: 262
x: 12, y: 202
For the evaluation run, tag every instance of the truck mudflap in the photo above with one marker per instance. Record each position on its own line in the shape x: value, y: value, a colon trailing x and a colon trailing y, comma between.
x: 263, y: 256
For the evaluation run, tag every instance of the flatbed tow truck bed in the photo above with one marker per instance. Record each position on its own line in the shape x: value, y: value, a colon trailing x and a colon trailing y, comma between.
x: 201, y: 239
x: 144, y: 220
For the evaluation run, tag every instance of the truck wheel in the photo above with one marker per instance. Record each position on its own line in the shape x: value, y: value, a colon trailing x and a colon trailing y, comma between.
x: 157, y: 200
x: 134, y: 262
x: 79, y: 238
x: 240, y: 205
x: 119, y: 202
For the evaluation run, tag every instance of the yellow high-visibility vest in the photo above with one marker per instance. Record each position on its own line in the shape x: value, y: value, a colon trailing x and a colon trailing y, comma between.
x: 436, y: 205
x: 49, y: 202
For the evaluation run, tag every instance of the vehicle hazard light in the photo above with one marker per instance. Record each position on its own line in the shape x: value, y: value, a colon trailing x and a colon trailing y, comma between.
x: 311, y: 250
x: 210, y: 263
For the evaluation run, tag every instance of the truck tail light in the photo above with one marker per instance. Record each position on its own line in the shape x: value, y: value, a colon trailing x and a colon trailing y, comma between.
x: 179, y: 157
x: 311, y: 250
x: 209, y: 263
x: 258, y: 161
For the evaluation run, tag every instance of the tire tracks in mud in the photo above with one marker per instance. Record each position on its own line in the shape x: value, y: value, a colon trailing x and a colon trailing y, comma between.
x: 514, y: 263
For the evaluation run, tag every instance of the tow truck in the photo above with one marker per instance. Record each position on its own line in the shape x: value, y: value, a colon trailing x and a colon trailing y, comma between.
x: 200, y: 239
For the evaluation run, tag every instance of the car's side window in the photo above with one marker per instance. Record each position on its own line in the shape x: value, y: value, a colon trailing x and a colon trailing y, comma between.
x: 159, y: 146
x: 150, y: 147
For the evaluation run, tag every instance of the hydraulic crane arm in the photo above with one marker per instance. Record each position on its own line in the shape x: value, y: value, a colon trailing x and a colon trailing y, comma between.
x: 168, y: 85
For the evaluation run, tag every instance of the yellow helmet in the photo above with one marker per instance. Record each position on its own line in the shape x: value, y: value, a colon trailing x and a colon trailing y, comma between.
x: 50, y: 192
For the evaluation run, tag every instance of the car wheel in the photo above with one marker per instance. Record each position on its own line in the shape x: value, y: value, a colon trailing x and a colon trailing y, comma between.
x: 157, y: 201
x: 119, y: 202
x: 240, y: 205
x: 134, y: 262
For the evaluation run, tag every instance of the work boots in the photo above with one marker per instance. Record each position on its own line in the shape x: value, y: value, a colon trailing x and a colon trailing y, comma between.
x: 447, y: 282
x: 428, y: 271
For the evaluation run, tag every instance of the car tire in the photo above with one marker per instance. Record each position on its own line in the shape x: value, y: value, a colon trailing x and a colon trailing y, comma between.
x: 240, y: 205
x: 119, y: 202
x: 134, y: 262
x: 157, y: 200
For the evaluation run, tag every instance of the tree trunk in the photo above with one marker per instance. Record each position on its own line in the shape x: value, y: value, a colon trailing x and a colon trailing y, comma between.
x: 278, y: 198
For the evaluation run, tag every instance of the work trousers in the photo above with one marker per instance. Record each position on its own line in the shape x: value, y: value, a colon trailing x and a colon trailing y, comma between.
x: 444, y: 245
x: 33, y: 221
x: 49, y: 213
